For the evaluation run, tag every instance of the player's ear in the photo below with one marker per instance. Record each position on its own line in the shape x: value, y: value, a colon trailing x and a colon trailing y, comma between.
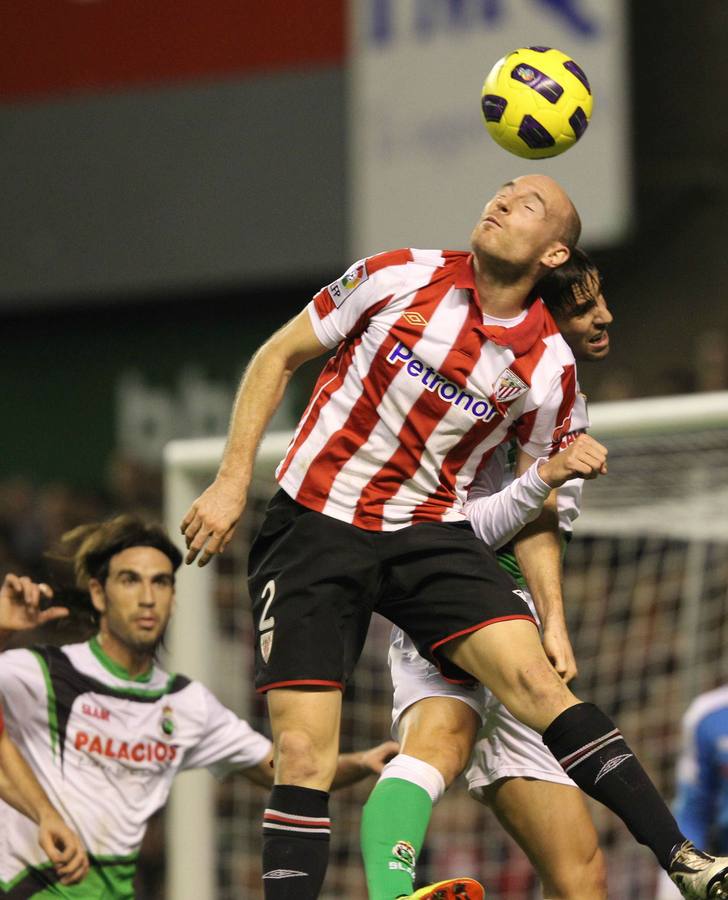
x: 556, y: 255
x: 98, y: 595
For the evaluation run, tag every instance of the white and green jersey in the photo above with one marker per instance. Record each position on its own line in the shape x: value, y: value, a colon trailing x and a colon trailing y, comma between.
x: 502, y: 517
x: 106, y: 748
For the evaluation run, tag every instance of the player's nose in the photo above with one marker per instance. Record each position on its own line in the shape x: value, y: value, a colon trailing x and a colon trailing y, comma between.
x: 603, y: 316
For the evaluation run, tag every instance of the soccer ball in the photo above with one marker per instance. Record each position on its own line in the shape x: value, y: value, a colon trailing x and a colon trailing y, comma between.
x: 536, y: 102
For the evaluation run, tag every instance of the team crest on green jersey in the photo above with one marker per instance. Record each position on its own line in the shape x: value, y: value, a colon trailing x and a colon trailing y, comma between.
x: 166, y: 723
x: 405, y: 856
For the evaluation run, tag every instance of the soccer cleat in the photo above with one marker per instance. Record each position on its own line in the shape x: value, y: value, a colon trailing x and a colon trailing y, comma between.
x: 452, y: 889
x: 698, y: 875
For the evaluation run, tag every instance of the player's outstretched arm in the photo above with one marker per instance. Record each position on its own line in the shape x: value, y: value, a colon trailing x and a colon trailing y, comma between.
x: 210, y: 522
x: 352, y: 767
x: 20, y: 788
x: 497, y: 516
x: 20, y: 606
x: 537, y: 549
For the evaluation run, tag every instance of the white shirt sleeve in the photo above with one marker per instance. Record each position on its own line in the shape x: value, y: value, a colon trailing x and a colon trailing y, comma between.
x: 568, y: 502
x: 497, y: 517
x: 342, y: 306
x: 227, y: 743
x: 22, y: 685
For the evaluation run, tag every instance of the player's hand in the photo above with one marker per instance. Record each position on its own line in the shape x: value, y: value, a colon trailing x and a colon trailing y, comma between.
x: 376, y: 758
x: 63, y: 848
x: 585, y: 458
x: 558, y: 648
x: 20, y: 605
x: 210, y: 522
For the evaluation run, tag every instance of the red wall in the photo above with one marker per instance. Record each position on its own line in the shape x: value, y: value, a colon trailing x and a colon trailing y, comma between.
x: 60, y: 46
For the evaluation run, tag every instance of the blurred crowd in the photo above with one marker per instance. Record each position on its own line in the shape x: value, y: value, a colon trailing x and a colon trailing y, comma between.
x: 34, y: 516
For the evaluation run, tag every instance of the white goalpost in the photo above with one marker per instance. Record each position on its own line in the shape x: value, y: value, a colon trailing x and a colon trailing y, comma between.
x: 188, y: 468
x: 646, y: 581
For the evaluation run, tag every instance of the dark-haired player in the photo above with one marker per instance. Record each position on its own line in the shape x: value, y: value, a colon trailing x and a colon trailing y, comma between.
x: 103, y: 727
x: 511, y: 770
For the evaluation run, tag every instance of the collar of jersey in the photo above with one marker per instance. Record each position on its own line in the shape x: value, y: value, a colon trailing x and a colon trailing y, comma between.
x: 119, y: 671
x: 521, y: 337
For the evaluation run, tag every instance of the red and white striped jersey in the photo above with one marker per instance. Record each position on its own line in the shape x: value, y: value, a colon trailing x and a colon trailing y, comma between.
x: 420, y: 392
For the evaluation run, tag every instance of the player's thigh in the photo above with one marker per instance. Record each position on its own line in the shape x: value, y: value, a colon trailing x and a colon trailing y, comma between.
x: 551, y: 823
x: 441, y: 582
x: 508, y: 657
x: 312, y: 582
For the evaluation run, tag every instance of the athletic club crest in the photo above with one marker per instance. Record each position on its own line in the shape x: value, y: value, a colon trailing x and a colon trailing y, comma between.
x: 266, y: 644
x: 508, y: 387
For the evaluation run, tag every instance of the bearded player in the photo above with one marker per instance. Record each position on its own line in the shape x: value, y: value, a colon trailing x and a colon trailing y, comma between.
x: 104, y: 728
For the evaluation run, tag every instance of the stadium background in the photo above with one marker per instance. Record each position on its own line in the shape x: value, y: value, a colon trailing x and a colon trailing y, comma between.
x: 175, y: 184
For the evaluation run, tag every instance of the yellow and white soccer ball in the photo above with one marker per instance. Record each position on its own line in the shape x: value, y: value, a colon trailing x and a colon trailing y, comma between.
x: 536, y: 102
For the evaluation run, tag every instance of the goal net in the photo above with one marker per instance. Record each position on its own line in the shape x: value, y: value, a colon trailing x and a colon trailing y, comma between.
x: 646, y: 578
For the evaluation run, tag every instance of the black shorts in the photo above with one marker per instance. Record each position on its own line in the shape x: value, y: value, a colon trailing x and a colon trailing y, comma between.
x: 315, y: 582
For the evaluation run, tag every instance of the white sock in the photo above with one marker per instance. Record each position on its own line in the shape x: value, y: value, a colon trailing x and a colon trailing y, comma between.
x: 416, y: 771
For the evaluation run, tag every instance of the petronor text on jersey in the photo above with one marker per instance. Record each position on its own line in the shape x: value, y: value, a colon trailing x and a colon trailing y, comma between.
x: 478, y: 408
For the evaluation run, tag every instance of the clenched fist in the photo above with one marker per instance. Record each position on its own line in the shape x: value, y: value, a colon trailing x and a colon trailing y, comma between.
x: 585, y: 458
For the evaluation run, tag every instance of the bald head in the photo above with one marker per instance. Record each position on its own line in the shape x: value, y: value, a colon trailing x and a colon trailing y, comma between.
x: 558, y: 205
x: 572, y: 227
x: 530, y: 225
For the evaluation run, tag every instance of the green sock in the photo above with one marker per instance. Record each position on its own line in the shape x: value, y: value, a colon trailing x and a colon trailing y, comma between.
x: 393, y: 827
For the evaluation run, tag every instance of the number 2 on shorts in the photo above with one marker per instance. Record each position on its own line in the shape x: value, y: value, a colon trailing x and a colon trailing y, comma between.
x: 267, y: 622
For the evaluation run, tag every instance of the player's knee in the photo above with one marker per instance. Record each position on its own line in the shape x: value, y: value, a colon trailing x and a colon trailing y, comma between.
x: 445, y: 743
x: 577, y: 879
x: 449, y: 758
x: 300, y: 759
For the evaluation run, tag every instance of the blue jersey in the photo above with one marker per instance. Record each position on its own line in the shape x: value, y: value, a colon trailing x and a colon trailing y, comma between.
x: 701, y: 807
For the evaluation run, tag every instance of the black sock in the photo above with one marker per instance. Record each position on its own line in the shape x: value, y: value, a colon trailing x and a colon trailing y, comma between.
x: 592, y: 751
x: 296, y: 832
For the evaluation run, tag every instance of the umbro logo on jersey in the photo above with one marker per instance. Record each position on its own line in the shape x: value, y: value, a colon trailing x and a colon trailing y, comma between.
x: 284, y: 873
x: 414, y: 318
